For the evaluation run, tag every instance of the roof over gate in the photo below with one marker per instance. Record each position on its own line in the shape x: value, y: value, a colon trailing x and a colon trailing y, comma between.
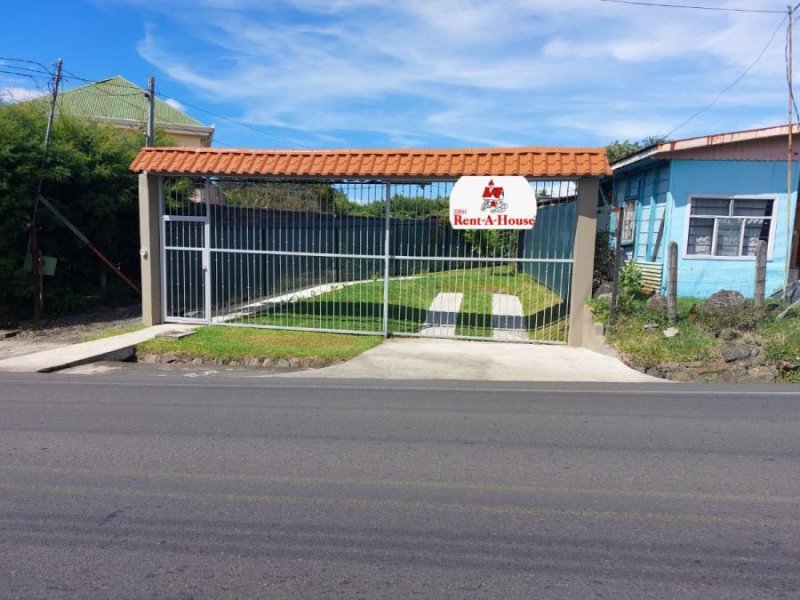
x: 527, y: 161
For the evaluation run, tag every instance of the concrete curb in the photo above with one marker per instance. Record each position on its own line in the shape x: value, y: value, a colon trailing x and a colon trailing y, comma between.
x: 118, y: 347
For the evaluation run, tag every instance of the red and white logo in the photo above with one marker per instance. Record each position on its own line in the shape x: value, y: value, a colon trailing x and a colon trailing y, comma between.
x: 498, y: 202
x: 493, y: 198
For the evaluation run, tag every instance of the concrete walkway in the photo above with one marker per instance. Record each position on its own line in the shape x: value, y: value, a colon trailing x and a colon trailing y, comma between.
x: 440, y: 320
x: 117, y: 347
x: 425, y: 358
x: 508, y: 319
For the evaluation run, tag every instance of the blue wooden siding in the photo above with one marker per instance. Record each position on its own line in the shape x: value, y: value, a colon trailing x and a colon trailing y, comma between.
x: 650, y: 188
x: 663, y: 192
x: 701, y: 277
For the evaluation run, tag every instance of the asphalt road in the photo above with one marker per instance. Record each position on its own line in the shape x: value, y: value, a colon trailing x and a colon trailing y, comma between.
x: 114, y: 487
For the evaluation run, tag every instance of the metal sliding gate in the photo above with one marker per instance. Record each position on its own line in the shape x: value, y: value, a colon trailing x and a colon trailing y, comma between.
x: 362, y: 257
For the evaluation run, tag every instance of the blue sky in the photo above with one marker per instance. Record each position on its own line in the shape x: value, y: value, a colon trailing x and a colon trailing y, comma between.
x: 435, y: 73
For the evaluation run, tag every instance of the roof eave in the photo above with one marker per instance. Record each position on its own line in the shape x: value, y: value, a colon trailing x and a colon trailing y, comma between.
x: 642, y: 155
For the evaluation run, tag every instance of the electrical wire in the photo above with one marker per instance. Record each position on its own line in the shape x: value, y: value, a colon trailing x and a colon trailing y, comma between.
x: 695, y: 7
x: 789, y: 82
x: 160, y: 94
x: 738, y: 79
x: 28, y: 75
x: 234, y: 121
x: 44, y: 69
x: 26, y: 69
x: 172, y: 126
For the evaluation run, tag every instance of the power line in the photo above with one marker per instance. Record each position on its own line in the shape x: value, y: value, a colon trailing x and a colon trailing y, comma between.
x: 173, y: 126
x: 18, y: 74
x: 44, y: 69
x: 235, y: 122
x: 695, y: 7
x: 786, y: 52
x: 159, y: 93
x: 26, y: 69
x: 738, y: 79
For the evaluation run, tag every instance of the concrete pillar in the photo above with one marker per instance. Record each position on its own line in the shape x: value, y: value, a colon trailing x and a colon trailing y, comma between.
x: 583, y: 256
x: 150, y: 248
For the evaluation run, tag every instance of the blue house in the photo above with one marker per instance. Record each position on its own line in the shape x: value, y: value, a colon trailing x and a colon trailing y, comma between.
x: 716, y: 196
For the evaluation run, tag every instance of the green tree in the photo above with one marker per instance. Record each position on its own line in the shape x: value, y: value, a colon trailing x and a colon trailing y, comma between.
x: 306, y: 197
x: 493, y: 243
x: 403, y: 207
x: 88, y: 178
x: 619, y: 149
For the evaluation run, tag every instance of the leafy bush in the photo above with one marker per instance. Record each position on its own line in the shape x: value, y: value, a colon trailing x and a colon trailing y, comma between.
x: 630, y: 286
x: 89, y: 180
x: 599, y: 308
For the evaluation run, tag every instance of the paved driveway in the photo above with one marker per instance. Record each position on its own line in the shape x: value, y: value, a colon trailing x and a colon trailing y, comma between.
x: 420, y: 358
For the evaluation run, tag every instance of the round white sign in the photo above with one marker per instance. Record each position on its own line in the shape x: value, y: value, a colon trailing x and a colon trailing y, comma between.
x: 492, y: 202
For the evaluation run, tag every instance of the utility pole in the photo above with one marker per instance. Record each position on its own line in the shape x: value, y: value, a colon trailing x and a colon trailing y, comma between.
x: 151, y: 109
x: 36, y: 254
x: 788, y: 152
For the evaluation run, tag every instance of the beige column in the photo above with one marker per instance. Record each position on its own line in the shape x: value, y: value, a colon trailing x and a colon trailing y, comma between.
x: 583, y: 256
x: 150, y: 248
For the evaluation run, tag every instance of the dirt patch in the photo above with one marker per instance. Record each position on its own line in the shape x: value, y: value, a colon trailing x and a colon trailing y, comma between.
x: 54, y: 333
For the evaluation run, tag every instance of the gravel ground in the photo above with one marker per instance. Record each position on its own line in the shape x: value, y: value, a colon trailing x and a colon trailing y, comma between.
x: 54, y: 333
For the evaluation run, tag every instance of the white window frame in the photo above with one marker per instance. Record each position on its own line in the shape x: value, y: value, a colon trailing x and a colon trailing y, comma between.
x: 772, y: 225
x: 628, y: 202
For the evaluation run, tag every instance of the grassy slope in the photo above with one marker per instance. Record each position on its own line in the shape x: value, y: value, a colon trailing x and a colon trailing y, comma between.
x: 698, y: 339
x: 237, y: 343
x: 359, y: 307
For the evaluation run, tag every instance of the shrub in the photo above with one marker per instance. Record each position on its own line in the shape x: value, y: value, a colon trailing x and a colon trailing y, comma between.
x: 630, y: 286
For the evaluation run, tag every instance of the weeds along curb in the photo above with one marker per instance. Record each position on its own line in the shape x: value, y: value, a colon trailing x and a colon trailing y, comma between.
x: 313, y: 362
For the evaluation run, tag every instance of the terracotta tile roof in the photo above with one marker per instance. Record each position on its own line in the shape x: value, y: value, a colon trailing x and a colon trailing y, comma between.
x: 529, y: 161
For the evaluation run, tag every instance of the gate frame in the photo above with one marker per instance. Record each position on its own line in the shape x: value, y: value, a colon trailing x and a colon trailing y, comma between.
x: 151, y: 225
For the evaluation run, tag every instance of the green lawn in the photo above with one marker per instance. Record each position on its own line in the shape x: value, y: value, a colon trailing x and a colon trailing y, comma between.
x: 358, y: 307
x: 239, y: 343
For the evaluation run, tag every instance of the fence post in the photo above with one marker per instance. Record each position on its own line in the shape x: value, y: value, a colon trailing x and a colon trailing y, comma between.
x: 150, y: 248
x: 612, y: 314
x: 672, y: 284
x: 387, y: 248
x: 761, y: 275
x: 582, y: 256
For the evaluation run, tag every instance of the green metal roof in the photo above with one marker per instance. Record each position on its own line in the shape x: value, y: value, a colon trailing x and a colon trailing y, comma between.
x: 119, y: 99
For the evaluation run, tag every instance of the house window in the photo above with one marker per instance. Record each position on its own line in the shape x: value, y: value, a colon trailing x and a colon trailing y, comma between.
x: 628, y: 221
x: 728, y: 227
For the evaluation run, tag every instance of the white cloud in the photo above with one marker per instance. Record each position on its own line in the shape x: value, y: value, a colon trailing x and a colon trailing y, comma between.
x: 464, y: 71
x: 175, y: 104
x: 11, y: 95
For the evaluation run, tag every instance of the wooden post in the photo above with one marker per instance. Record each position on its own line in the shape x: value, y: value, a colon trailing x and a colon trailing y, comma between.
x: 612, y: 314
x: 150, y: 136
x: 761, y: 275
x: 672, y: 284
x: 36, y: 253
